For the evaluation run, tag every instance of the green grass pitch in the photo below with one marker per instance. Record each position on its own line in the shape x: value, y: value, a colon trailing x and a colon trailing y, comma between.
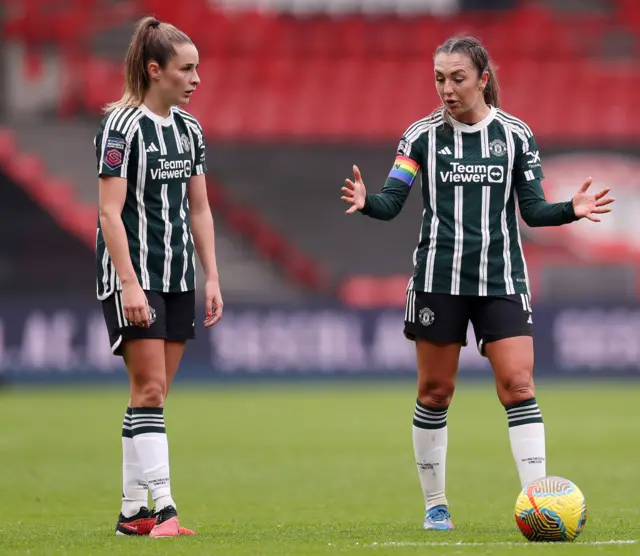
x: 314, y: 469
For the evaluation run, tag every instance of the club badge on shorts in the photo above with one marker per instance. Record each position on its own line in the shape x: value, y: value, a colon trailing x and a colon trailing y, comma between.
x: 426, y: 316
x: 152, y: 315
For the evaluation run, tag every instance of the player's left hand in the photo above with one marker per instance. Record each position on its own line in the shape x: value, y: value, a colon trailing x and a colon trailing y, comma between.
x: 589, y: 206
x: 213, y: 303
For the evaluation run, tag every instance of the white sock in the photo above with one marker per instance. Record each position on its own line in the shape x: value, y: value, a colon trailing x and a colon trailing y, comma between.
x: 135, y: 491
x: 526, y: 433
x: 430, y: 449
x: 152, y: 447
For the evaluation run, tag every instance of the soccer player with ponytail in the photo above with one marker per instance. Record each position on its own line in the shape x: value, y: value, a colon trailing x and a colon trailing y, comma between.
x: 476, y: 163
x: 154, y: 216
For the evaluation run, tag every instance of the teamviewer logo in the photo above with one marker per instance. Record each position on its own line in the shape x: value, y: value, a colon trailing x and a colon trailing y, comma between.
x: 495, y: 174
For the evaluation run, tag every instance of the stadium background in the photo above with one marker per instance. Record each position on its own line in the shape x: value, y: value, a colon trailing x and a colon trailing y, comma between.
x: 267, y: 455
x: 293, y: 93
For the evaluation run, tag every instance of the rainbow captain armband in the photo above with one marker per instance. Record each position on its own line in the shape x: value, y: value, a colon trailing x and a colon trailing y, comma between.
x: 404, y: 169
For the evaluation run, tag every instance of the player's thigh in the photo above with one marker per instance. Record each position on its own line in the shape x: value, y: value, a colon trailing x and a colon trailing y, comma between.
x: 504, y: 331
x: 173, y: 352
x: 145, y: 362
x: 438, y: 324
x: 121, y: 331
x: 512, y: 360
x: 437, y: 371
x: 141, y: 348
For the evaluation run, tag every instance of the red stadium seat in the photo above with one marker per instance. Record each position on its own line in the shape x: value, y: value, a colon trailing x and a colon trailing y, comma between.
x: 102, y: 83
x: 628, y: 15
x: 353, y: 75
x: 269, y: 244
x: 7, y: 146
x: 241, y: 220
x: 217, y: 197
x: 586, y: 31
x: 350, y: 37
x: 304, y: 271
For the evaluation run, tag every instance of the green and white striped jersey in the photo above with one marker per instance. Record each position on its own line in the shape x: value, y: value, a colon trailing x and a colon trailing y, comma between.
x: 157, y: 156
x: 472, y: 176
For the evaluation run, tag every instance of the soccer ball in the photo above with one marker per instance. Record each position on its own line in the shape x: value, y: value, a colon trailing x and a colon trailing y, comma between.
x: 551, y: 509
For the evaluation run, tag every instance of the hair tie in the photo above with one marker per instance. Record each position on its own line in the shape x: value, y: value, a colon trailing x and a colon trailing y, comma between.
x: 155, y: 23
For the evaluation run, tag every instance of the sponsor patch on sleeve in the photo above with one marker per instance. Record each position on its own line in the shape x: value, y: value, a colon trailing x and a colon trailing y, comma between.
x: 113, y: 158
x: 114, y: 152
x: 115, y: 143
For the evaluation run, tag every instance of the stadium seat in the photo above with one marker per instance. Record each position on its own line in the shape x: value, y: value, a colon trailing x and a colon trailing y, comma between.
x: 327, y: 75
x: 269, y: 244
x: 303, y: 271
x: 7, y: 146
x: 349, y: 77
x: 628, y: 15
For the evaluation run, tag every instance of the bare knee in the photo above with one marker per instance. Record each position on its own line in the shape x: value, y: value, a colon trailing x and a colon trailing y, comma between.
x: 435, y: 394
x: 148, y: 388
x: 146, y: 366
x: 151, y: 393
x: 515, y: 390
x: 512, y: 361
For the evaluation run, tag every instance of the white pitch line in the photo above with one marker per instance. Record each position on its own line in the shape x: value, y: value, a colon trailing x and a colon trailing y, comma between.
x: 462, y: 543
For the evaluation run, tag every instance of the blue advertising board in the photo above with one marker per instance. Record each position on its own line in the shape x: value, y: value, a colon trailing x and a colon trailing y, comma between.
x: 66, y: 340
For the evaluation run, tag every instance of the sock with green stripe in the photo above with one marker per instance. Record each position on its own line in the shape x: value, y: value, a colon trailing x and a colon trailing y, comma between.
x: 135, y: 491
x: 152, y: 447
x: 526, y: 433
x: 430, y: 450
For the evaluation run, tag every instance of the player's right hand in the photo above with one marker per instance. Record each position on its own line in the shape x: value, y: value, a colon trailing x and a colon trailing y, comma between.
x: 135, y: 305
x: 354, y: 193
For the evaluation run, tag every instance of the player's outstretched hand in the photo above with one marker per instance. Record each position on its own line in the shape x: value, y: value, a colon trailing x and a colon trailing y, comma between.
x: 354, y: 192
x: 213, y: 303
x: 589, y: 206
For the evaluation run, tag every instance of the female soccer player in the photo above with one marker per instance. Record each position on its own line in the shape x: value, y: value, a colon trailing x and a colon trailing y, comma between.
x: 476, y: 162
x: 154, y: 213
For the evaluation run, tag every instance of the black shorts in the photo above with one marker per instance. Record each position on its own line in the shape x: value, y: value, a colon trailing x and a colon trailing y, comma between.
x: 172, y: 315
x: 444, y: 318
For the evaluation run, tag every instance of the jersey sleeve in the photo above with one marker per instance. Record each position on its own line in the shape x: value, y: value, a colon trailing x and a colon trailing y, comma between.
x: 387, y: 204
x: 195, y: 129
x: 113, y: 149
x: 527, y: 164
x: 528, y: 176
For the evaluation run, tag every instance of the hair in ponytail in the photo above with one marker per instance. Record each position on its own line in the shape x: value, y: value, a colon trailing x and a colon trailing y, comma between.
x: 152, y: 41
x: 492, y: 90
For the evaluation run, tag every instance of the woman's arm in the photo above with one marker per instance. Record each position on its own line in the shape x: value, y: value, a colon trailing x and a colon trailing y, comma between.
x: 112, y: 195
x: 204, y: 240
x: 202, y: 226
x: 536, y: 211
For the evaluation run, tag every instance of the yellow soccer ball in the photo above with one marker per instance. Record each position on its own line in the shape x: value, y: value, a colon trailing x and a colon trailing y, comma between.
x: 551, y: 509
